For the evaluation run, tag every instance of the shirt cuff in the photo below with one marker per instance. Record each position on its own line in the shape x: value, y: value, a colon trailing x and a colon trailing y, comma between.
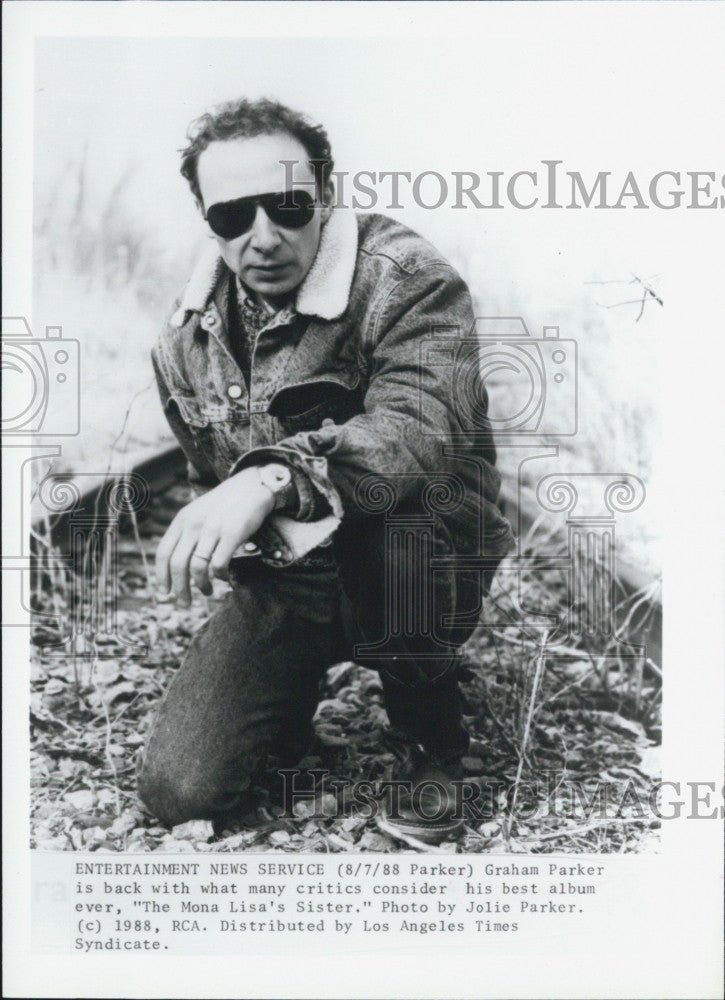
x: 308, y: 504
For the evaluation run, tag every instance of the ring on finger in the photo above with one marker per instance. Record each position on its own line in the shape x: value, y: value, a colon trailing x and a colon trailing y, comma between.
x: 197, y: 555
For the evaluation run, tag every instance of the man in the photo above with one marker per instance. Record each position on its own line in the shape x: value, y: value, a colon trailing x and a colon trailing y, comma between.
x: 336, y: 485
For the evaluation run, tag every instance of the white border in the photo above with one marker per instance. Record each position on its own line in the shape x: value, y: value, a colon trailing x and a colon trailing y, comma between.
x: 678, y: 953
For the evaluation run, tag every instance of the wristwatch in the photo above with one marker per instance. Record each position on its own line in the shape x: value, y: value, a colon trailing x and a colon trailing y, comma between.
x: 278, y: 478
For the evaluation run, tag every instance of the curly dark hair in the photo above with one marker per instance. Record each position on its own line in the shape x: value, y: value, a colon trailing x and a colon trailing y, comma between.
x: 244, y: 119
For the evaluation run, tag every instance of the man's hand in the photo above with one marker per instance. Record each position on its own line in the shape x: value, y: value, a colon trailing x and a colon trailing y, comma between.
x: 201, y: 539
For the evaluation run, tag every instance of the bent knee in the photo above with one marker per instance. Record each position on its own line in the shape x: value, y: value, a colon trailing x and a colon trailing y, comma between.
x: 170, y: 797
x: 176, y: 797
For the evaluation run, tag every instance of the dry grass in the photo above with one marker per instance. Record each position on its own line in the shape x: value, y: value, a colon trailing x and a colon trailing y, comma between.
x: 109, y: 285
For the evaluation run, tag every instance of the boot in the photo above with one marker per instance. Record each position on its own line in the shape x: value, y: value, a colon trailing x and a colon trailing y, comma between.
x: 425, y: 803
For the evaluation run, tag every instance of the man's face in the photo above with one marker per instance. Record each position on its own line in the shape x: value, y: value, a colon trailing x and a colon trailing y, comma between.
x: 270, y: 259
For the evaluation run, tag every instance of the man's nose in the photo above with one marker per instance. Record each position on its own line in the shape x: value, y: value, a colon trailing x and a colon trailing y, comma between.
x: 265, y: 236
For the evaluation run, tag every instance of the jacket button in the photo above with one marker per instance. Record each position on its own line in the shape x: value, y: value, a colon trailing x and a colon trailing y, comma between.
x: 234, y: 391
x: 328, y: 422
x: 209, y: 321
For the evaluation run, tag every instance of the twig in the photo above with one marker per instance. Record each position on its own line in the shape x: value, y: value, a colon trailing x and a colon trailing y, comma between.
x: 648, y: 289
x: 48, y: 716
x: 580, y: 654
x: 137, y: 537
x: 643, y: 596
x: 647, y: 293
x: 109, y: 731
x: 126, y: 416
x: 506, y: 828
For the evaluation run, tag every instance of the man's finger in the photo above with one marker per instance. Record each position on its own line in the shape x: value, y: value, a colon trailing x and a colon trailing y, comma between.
x: 200, y: 560
x: 179, y: 564
x: 224, y: 551
x: 163, y: 555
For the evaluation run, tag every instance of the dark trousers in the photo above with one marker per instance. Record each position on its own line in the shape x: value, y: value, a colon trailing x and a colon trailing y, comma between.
x: 249, y: 683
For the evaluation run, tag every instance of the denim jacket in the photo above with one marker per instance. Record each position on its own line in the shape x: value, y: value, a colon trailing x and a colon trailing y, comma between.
x: 354, y: 386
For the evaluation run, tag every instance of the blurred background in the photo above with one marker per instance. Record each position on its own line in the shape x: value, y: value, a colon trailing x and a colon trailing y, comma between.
x: 116, y: 230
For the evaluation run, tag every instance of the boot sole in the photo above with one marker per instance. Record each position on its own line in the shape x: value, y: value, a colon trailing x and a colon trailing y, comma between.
x: 427, y: 833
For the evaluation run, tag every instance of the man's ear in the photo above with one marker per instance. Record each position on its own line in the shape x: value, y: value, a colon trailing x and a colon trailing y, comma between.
x: 328, y: 200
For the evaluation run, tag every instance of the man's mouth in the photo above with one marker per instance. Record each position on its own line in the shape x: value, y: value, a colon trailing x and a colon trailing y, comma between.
x: 268, y: 269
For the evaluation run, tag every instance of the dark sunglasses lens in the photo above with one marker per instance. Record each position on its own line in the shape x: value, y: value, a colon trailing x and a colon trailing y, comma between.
x: 289, y: 209
x: 230, y: 219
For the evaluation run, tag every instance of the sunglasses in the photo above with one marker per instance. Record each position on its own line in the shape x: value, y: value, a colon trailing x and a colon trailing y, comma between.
x: 289, y: 209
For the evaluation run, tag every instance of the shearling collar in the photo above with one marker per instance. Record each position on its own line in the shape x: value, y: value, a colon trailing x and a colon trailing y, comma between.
x: 324, y: 292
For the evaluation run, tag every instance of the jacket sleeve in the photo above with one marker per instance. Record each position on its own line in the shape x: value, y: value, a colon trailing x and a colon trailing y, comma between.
x: 408, y: 407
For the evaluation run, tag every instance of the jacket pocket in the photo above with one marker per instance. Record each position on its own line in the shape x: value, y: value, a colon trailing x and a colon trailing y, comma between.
x: 220, y: 431
x: 189, y: 410
x: 303, y: 407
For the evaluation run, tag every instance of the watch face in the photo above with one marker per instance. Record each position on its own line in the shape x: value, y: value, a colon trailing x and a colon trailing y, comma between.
x: 276, y: 477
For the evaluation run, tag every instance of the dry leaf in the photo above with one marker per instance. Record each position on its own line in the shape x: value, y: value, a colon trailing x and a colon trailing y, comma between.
x: 81, y: 800
x: 194, y: 829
